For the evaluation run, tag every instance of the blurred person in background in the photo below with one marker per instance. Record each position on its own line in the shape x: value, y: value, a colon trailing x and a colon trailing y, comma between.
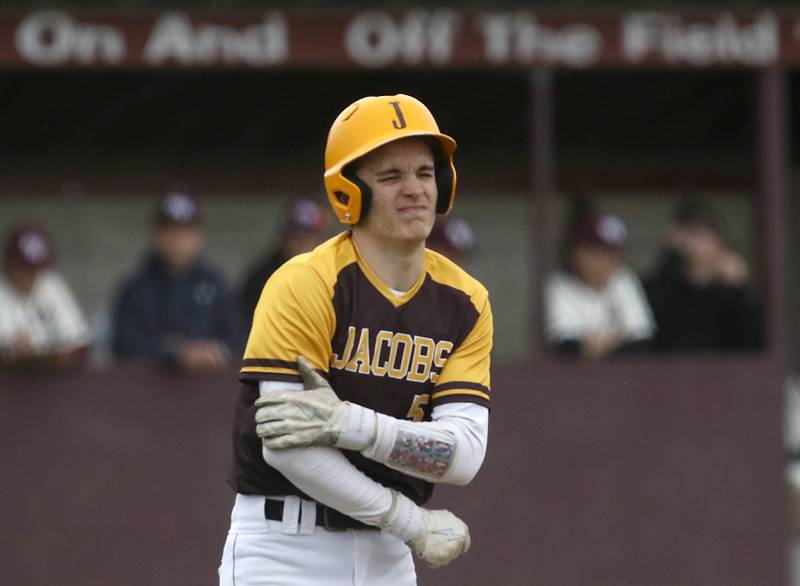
x: 700, y: 290
x: 453, y: 238
x: 595, y: 307
x: 176, y: 309
x: 305, y: 228
x: 41, y: 325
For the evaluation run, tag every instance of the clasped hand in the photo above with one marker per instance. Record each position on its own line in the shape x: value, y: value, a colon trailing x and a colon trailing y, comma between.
x: 294, y: 418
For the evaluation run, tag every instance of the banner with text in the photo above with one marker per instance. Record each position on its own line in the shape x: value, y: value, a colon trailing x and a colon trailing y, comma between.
x: 415, y: 38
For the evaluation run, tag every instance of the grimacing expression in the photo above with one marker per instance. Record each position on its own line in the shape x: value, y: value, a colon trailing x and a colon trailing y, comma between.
x: 402, y: 177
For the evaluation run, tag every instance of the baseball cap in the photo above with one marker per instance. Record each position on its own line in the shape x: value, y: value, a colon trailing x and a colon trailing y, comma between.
x: 452, y: 233
x: 306, y: 215
x: 30, y: 245
x: 177, y: 207
x: 603, y: 230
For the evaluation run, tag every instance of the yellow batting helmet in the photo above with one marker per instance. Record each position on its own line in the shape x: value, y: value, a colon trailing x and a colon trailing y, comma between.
x: 372, y: 122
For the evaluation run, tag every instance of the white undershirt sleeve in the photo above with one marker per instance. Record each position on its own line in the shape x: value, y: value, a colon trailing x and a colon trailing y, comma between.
x: 328, y: 477
x: 449, y: 449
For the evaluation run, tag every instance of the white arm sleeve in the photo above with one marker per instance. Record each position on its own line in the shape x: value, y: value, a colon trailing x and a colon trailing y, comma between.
x: 448, y: 449
x: 328, y: 477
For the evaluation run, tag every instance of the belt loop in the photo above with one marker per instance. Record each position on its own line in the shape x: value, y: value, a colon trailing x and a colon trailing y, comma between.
x: 308, y: 517
x: 291, y: 513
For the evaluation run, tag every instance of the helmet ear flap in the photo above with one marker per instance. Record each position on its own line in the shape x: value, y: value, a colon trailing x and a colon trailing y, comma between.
x: 444, y: 186
x: 349, y: 173
x: 445, y: 177
x: 344, y: 196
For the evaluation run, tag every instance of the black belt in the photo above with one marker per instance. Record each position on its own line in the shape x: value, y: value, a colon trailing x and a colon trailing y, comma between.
x: 329, y: 518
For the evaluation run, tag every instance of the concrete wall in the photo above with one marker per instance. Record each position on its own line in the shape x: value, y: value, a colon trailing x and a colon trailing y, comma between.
x: 100, y: 239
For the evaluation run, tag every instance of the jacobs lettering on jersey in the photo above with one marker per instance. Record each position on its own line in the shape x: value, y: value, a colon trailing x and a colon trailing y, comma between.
x: 397, y: 355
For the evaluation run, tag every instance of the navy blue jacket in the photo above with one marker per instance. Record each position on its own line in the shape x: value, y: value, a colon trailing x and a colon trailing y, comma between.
x: 155, y: 308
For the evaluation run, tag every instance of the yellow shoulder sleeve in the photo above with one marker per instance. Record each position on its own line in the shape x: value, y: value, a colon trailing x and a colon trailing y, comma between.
x: 294, y: 317
x: 465, y: 376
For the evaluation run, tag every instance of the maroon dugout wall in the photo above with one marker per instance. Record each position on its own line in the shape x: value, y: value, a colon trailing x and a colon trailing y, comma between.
x: 640, y: 473
x: 647, y: 473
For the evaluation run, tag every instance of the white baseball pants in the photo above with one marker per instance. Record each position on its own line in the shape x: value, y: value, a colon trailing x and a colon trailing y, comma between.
x: 260, y: 552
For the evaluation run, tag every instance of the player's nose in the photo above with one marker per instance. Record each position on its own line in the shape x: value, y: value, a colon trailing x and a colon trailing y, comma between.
x: 413, y: 186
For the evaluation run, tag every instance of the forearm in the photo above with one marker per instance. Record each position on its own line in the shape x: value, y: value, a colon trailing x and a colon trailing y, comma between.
x: 48, y: 362
x: 326, y: 476
x: 449, y: 449
x: 295, y: 417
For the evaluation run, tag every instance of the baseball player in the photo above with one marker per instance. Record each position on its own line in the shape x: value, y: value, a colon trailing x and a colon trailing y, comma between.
x: 366, y: 374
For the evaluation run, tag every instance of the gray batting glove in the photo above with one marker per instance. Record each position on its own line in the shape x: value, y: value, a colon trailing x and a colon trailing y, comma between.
x: 442, y: 539
x: 295, y: 419
x: 438, y: 537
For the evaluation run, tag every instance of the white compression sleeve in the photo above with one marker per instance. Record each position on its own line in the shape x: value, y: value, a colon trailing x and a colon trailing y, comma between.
x: 328, y: 477
x: 448, y: 449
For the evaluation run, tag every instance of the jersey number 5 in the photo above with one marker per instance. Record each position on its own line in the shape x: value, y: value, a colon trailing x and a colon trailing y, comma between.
x: 416, y: 413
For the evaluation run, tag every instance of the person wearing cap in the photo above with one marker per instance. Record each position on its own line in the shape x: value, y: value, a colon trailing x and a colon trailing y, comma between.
x: 700, y: 289
x: 41, y: 324
x: 176, y: 309
x: 451, y: 237
x: 305, y: 228
x: 595, y: 307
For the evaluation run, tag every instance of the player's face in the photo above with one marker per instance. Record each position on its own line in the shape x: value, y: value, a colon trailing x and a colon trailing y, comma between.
x: 179, y: 246
x: 702, y: 244
x: 402, y: 177
x: 595, y: 265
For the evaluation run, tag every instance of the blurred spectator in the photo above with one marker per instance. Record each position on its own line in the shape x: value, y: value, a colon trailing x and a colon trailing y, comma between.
x: 595, y: 306
x: 305, y: 228
x: 700, y: 291
x: 451, y: 237
x: 176, y: 309
x: 41, y: 325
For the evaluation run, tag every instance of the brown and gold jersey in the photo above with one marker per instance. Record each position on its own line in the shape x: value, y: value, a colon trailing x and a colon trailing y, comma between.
x: 397, y: 354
